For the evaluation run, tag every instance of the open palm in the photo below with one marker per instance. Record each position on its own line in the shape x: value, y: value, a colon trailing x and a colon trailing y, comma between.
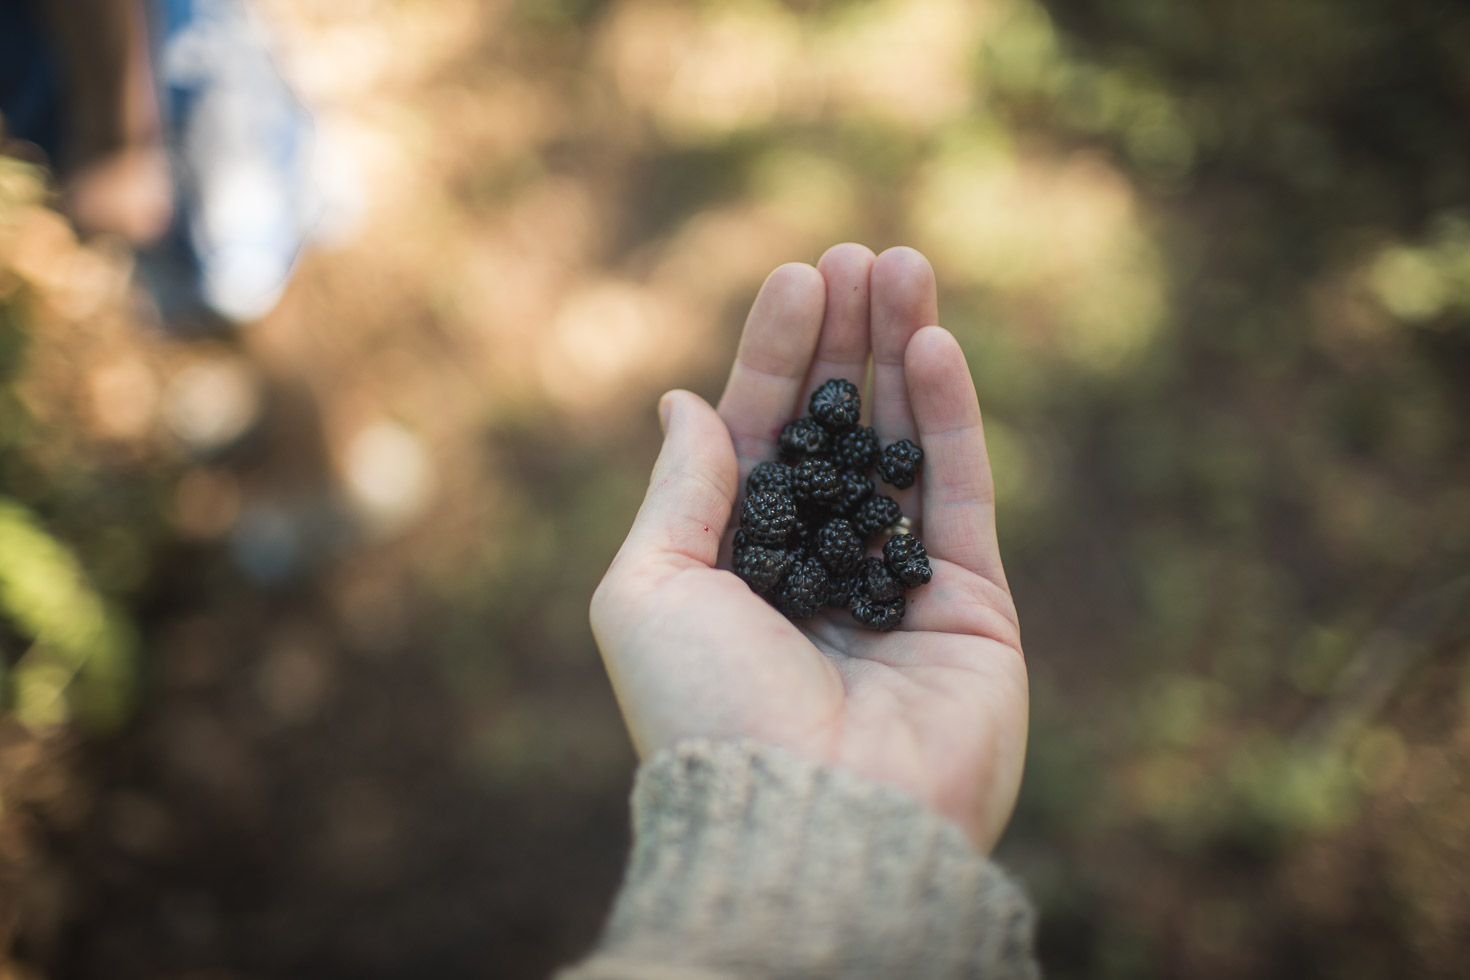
x: 938, y: 707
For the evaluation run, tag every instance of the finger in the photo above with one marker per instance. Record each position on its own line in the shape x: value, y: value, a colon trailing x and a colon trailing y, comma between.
x: 959, y: 602
x: 771, y: 363
x: 692, y: 487
x: 959, y: 493
x: 842, y: 350
x: 903, y: 300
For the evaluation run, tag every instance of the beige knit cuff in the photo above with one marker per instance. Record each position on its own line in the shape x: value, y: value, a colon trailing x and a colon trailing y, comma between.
x: 749, y: 860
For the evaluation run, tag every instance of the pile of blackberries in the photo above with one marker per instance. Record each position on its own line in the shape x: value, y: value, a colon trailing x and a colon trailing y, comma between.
x: 807, y: 518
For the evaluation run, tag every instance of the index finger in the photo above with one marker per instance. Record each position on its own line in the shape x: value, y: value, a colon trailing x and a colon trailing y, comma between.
x: 776, y: 349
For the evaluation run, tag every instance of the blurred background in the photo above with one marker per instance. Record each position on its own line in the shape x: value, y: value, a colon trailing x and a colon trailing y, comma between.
x: 297, y: 673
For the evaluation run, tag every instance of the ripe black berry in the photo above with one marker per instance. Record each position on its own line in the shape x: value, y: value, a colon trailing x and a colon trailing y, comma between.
x: 800, y: 537
x: 856, y: 449
x: 761, y: 567
x: 899, y: 463
x: 836, y: 404
x: 878, y: 582
x: 881, y: 616
x: 802, y: 591
x: 769, y: 475
x: 874, y: 514
x: 815, y: 480
x: 805, y: 520
x: 838, y: 546
x: 846, y: 591
x: 855, y: 489
x: 802, y: 438
x: 906, y: 558
x: 768, y: 517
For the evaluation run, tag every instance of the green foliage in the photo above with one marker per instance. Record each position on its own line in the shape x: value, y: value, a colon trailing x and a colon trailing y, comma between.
x: 81, y: 662
x: 73, y: 534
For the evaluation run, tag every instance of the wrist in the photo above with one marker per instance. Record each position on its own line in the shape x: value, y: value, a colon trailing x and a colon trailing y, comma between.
x: 750, y: 857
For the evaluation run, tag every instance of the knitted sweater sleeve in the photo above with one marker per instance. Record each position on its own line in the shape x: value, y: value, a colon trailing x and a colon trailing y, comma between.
x: 749, y: 861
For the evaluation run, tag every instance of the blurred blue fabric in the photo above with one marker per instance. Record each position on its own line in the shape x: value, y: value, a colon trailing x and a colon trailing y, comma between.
x: 30, y: 79
x: 239, y: 144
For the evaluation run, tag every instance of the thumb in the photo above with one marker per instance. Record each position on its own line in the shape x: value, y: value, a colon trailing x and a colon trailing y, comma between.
x: 692, y: 487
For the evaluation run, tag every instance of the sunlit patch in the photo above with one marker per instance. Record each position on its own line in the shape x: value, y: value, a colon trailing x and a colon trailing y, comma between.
x: 1418, y: 283
x: 352, y: 49
x: 1023, y: 57
x: 1060, y: 244
x: 721, y: 250
x: 909, y: 62
x: 1361, y: 304
x: 723, y: 69
x: 504, y: 285
x: 710, y: 72
x: 210, y: 404
x: 1408, y: 282
x: 601, y: 337
x: 1022, y: 54
x: 80, y: 665
x: 810, y: 191
x: 731, y: 76
x: 40, y: 692
x: 389, y: 474
x: 496, y: 294
x: 39, y: 248
x: 95, y: 278
x: 124, y: 396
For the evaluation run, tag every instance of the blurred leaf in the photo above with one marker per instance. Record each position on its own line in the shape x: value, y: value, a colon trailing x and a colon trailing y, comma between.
x: 82, y: 661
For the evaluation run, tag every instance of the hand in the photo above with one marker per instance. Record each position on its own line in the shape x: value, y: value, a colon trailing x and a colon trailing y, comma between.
x: 938, y: 707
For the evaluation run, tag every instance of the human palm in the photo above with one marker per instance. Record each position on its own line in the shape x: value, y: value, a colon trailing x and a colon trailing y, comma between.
x: 937, y: 707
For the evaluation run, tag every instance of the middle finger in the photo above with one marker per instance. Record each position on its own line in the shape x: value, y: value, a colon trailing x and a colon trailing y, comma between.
x: 842, y: 351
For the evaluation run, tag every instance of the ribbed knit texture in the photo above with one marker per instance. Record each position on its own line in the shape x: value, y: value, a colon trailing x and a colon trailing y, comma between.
x: 750, y: 861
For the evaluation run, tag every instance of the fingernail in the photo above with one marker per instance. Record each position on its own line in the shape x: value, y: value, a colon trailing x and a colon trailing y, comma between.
x: 664, y: 409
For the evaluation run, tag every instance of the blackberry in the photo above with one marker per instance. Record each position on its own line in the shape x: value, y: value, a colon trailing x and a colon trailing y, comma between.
x: 799, y: 541
x: 806, y: 518
x: 802, y: 438
x: 815, y: 480
x: 906, y: 558
x: 838, y: 546
x: 881, y: 616
x: 856, y: 449
x: 761, y: 567
x: 836, y: 404
x: 769, y: 475
x: 767, y: 517
x: 899, y: 463
x: 855, y: 489
x: 846, y: 591
x: 813, y: 515
x: 878, y: 582
x: 874, y: 514
x: 802, y: 591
